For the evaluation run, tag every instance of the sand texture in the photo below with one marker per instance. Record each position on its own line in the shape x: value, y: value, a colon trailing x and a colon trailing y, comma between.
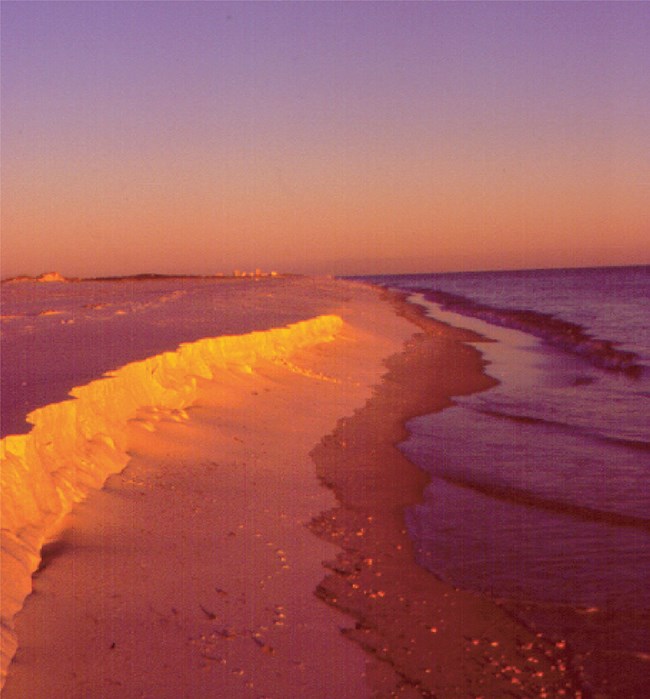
x: 198, y: 570
x: 192, y: 573
x: 429, y: 639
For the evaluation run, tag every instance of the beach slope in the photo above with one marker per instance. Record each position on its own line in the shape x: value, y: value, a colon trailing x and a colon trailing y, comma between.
x: 197, y: 571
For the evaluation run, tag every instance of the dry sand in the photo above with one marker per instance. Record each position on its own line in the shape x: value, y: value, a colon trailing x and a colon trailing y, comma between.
x: 193, y: 572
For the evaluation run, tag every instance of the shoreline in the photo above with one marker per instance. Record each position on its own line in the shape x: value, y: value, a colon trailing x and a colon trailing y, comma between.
x: 427, y: 638
x: 100, y: 620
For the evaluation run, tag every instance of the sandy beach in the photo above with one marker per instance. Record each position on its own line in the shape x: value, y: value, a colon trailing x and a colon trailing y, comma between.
x: 198, y: 570
x: 325, y: 355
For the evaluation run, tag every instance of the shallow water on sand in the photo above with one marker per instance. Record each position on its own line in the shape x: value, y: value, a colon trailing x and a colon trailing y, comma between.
x: 538, y: 494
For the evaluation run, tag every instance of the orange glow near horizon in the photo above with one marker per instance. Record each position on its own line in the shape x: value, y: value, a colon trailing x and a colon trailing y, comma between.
x: 475, y: 152
x: 276, y: 218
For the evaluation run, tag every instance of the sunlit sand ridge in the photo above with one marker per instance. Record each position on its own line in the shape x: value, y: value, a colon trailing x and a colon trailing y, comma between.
x: 75, y: 445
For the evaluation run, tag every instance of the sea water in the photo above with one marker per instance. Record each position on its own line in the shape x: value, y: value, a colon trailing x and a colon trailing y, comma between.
x: 539, y: 489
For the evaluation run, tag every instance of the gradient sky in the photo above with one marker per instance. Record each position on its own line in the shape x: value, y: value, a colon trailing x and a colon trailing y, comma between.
x: 198, y: 137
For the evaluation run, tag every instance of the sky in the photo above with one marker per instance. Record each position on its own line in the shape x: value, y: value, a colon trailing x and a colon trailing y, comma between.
x: 323, y: 137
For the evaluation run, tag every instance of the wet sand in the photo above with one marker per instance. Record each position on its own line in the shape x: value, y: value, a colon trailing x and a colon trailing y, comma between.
x: 428, y: 639
x: 196, y: 571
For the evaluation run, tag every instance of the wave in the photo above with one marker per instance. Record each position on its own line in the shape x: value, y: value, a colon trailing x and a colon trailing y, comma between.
x: 520, y: 496
x: 558, y: 333
x: 76, y: 444
x: 637, y: 444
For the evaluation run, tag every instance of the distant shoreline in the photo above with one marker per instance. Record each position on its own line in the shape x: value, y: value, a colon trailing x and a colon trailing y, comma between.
x: 153, y: 276
x: 55, y: 277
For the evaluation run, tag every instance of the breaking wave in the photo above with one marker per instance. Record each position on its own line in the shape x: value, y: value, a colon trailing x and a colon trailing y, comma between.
x: 520, y: 496
x: 638, y: 444
x: 556, y: 332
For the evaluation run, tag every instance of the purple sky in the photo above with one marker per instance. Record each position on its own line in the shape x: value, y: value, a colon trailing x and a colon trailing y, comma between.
x: 323, y: 137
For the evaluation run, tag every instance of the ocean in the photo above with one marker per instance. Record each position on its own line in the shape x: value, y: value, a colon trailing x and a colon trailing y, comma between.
x: 538, y: 493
